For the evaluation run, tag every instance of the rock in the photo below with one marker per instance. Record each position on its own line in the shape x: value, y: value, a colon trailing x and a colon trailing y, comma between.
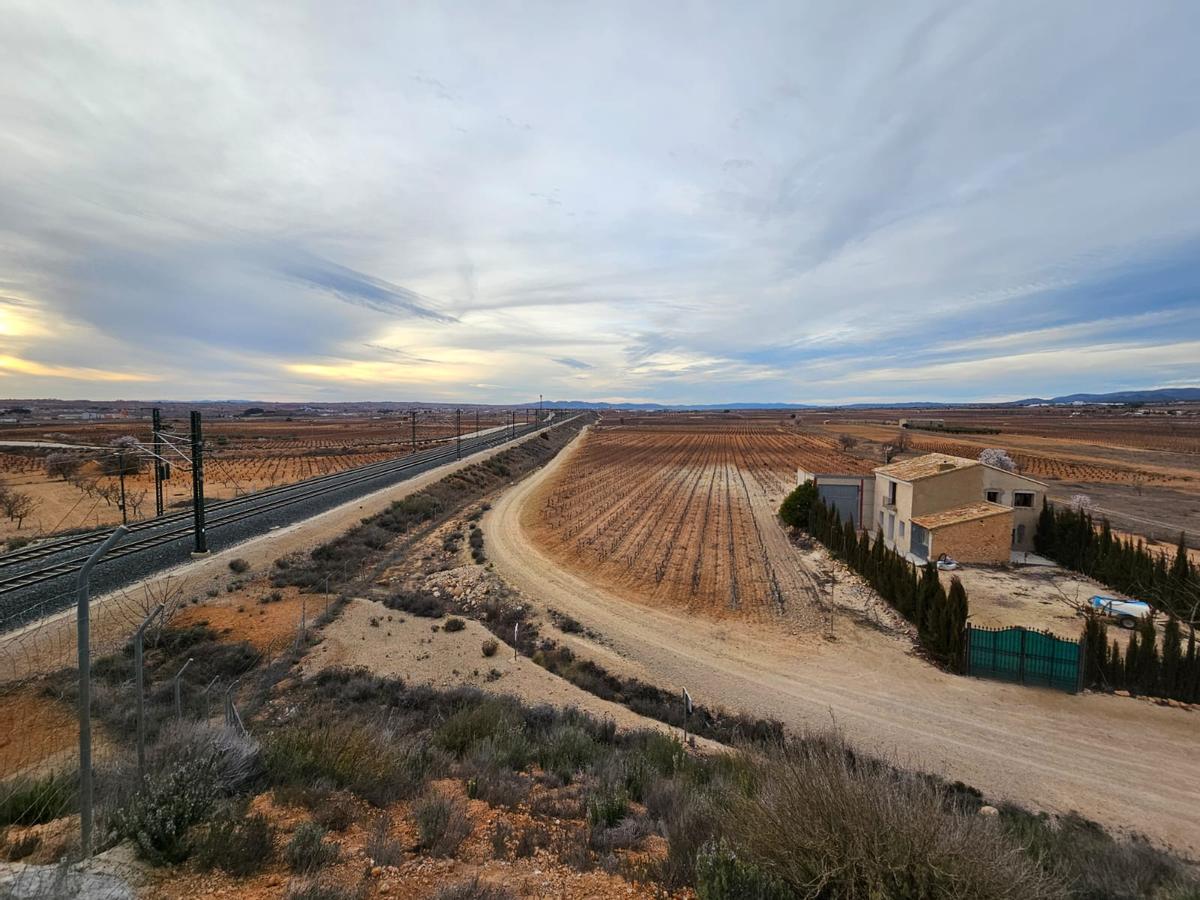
x: 376, y: 871
x: 35, y: 882
x: 988, y: 811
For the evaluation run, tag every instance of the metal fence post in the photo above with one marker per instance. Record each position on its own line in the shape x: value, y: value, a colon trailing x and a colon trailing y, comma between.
x: 83, y: 626
x: 139, y: 678
x: 179, y: 692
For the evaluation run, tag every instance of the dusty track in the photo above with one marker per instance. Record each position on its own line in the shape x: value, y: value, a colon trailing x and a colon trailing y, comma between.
x: 1125, y: 763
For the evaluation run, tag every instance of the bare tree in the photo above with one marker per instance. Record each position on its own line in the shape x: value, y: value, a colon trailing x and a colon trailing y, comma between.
x: 847, y: 441
x: 166, y: 591
x: 18, y: 506
x: 998, y: 458
x: 135, y: 499
x: 62, y: 465
x: 125, y: 458
x: 901, y: 441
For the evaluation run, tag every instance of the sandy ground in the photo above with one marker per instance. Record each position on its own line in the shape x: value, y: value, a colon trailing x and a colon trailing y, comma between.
x: 50, y: 644
x: 1126, y: 763
x: 387, y: 642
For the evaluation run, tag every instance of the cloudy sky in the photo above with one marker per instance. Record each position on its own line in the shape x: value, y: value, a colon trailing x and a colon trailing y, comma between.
x: 682, y: 202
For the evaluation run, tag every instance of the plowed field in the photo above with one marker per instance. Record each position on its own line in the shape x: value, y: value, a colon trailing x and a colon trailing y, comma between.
x: 684, y: 515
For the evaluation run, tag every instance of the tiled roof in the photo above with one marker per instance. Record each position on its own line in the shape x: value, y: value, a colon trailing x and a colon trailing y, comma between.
x: 925, y: 466
x: 970, y: 512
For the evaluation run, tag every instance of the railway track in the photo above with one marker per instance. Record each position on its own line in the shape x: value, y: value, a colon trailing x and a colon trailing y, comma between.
x: 29, y: 570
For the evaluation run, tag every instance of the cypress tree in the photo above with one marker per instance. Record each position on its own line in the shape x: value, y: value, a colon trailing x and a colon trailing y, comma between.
x: 1116, y: 670
x: 954, y: 623
x: 1172, y: 658
x: 1132, y: 656
x: 1148, y: 662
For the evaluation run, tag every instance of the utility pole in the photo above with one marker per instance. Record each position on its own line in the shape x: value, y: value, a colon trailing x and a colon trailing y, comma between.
x: 541, y: 413
x: 156, y: 443
x: 477, y: 422
x: 414, y: 430
x: 198, y: 487
x: 458, y: 434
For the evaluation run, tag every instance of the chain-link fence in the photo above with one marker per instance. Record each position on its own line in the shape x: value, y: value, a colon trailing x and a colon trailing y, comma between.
x: 156, y: 691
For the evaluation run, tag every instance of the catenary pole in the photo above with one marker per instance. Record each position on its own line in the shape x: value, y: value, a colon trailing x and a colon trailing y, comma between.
x: 156, y: 442
x: 201, y: 542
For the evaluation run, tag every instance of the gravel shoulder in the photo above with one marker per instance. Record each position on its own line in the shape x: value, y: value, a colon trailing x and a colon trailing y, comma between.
x: 1126, y: 763
x: 49, y: 643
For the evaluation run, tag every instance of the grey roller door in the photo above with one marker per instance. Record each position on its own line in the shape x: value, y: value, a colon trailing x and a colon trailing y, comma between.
x: 843, y: 498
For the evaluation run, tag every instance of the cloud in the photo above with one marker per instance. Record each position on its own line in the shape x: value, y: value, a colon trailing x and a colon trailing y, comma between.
x: 791, y: 204
x: 572, y: 363
x: 363, y: 290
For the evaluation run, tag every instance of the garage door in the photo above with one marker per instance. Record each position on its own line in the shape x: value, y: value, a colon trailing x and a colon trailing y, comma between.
x: 843, y: 498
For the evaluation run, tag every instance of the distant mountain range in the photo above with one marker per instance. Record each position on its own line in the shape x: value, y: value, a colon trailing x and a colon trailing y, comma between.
x: 1159, y: 395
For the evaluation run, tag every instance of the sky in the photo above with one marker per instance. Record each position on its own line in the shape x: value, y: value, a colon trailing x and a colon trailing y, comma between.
x: 673, y: 202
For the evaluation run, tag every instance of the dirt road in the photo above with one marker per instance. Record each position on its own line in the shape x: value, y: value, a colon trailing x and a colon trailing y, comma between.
x: 1126, y: 763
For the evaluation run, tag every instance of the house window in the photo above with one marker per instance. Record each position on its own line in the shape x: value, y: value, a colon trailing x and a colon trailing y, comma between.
x: 992, y: 496
x: 891, y: 493
x: 1023, y: 498
x: 901, y: 528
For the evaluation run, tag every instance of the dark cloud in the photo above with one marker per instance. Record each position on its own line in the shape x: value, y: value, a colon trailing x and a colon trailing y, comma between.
x: 572, y: 363
x: 364, y: 290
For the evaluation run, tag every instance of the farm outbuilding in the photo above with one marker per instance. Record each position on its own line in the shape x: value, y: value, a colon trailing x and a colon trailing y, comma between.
x: 853, y: 496
x: 926, y: 503
x: 975, y: 533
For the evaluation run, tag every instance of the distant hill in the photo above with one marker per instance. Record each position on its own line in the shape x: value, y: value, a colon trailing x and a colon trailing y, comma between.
x: 1158, y: 395
x: 1161, y: 395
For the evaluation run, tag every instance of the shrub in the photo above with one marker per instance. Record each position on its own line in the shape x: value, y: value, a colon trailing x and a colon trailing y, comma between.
x: 417, y: 604
x: 565, y: 750
x: 489, y: 648
x: 320, y: 890
x: 442, y: 823
x: 454, y: 624
x: 606, y: 806
x: 829, y: 823
x: 502, y: 833
x: 628, y: 833
x: 474, y: 889
x: 239, y: 566
x: 307, y: 851
x: 1080, y: 853
x: 158, y: 817
x: 30, y: 801
x: 492, y: 717
x: 721, y: 875
x: 236, y: 843
x: 336, y: 813
x: 794, y: 509
x: 381, y: 847
x: 357, y: 758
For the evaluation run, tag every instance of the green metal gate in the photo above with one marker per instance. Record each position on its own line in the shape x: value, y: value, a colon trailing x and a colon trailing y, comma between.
x: 1025, y: 656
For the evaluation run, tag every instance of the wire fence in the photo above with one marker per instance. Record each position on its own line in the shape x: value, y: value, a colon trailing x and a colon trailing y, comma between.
x: 149, y: 685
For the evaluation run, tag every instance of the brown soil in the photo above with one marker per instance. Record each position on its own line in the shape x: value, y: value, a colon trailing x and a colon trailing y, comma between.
x: 243, y: 456
x: 684, y: 516
x: 50, y: 644
x: 418, y: 876
x: 37, y: 730
x: 1033, y: 746
x: 250, y: 614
